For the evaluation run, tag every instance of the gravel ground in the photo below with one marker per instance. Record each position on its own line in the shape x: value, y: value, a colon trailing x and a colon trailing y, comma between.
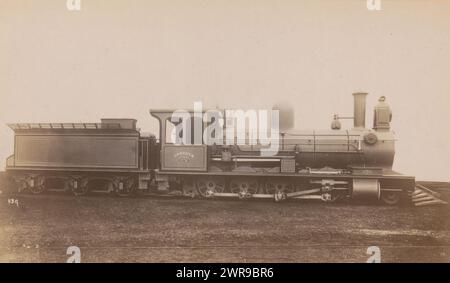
x: 109, y: 229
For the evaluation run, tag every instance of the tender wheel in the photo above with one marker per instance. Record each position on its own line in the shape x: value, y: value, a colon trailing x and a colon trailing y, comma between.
x: 390, y: 198
x: 37, y: 189
x: 207, y: 186
x: 126, y: 188
x: 39, y: 186
x: 79, y: 188
x: 245, y: 187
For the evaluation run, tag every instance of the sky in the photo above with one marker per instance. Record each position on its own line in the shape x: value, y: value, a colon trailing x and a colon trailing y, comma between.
x: 122, y: 58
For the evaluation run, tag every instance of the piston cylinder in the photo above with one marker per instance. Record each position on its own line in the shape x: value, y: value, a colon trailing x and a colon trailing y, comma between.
x: 366, y: 189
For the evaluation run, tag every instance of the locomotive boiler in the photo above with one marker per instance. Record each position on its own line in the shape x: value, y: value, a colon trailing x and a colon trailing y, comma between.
x: 113, y: 156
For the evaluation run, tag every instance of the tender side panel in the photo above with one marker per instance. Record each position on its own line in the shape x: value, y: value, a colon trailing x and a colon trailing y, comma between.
x: 76, y: 151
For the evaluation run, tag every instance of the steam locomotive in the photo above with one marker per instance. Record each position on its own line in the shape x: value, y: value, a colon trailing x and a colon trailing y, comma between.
x: 114, y: 157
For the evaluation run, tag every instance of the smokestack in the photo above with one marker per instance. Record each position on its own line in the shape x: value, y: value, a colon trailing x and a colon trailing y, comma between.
x: 359, y: 116
x: 286, y: 112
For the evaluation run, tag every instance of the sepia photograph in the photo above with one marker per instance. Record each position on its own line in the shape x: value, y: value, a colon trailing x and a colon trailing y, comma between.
x: 218, y: 132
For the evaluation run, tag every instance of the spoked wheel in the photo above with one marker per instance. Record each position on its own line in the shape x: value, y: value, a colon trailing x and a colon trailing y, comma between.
x: 39, y: 186
x: 126, y: 188
x: 79, y: 187
x: 390, y: 198
x: 245, y: 187
x: 276, y: 186
x: 207, y: 186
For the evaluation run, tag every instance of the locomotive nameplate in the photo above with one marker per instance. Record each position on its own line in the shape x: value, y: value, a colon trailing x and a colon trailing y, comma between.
x: 184, y: 157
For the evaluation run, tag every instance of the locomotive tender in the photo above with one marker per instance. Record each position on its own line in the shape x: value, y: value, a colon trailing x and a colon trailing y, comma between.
x: 113, y: 156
